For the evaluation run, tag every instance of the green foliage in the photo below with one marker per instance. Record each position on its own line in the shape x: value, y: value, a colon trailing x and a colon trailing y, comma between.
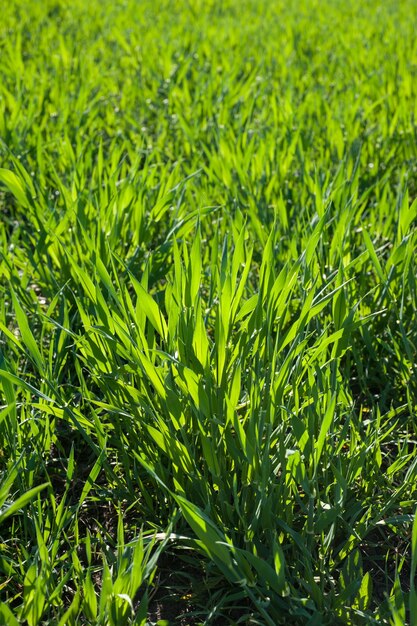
x: 208, y: 336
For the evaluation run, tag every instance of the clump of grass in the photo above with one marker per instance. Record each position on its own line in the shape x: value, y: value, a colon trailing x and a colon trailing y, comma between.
x: 208, y: 313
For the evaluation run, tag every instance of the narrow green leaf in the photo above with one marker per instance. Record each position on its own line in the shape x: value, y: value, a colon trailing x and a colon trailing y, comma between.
x: 21, y: 502
x: 27, y: 336
x: 14, y: 185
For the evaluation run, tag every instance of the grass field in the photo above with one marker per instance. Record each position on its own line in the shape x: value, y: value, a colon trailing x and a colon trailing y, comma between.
x: 208, y: 298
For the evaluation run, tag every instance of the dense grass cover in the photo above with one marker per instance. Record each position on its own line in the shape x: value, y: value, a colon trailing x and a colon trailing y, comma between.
x: 208, y: 312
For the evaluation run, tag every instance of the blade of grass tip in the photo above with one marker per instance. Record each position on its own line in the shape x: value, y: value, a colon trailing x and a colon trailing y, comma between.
x: 325, y: 425
x: 313, y: 240
x: 27, y: 336
x: 21, y: 502
x: 373, y: 256
x: 106, y: 592
x: 150, y: 308
x: 71, y: 465
x: 89, y: 483
x: 11, y: 378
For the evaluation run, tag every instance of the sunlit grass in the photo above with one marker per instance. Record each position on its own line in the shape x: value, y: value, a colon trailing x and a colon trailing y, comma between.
x: 208, y: 313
